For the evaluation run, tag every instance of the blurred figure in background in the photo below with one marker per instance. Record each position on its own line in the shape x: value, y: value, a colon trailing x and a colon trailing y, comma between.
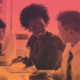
x: 7, y: 45
x: 69, y: 29
x: 45, y: 48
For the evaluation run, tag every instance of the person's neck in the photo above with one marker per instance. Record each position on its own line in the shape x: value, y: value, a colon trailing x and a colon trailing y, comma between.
x: 75, y: 40
x: 40, y: 39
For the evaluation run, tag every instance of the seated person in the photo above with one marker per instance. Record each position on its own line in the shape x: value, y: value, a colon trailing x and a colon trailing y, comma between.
x: 69, y: 27
x: 7, y: 45
x: 45, y: 48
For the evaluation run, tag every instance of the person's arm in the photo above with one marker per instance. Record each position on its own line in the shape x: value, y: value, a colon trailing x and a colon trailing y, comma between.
x: 9, y: 49
x: 57, y: 74
x: 55, y: 53
x: 53, y: 59
x: 29, y: 45
x: 54, y: 74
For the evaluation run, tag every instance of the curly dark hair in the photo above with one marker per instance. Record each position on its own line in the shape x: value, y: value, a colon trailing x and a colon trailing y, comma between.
x: 2, y: 24
x: 71, y: 18
x: 31, y: 11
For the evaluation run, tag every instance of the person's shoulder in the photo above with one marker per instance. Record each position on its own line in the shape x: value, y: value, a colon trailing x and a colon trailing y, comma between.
x: 31, y: 41
x: 32, y: 38
x: 52, y: 35
x: 55, y: 37
x: 10, y: 34
x: 55, y: 40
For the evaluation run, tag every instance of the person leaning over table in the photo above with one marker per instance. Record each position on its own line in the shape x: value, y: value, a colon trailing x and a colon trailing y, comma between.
x: 7, y: 45
x: 69, y: 28
x: 45, y: 48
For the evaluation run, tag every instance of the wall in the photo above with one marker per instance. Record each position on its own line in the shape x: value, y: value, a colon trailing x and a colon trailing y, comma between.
x: 54, y: 7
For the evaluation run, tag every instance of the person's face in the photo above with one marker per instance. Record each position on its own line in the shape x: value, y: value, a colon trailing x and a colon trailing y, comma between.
x: 2, y: 31
x: 65, y: 34
x: 37, y: 27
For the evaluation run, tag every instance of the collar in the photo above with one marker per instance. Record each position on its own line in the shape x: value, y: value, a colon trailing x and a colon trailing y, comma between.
x: 75, y: 48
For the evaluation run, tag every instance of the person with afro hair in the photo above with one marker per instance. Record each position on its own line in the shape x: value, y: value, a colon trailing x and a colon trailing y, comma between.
x: 45, y: 48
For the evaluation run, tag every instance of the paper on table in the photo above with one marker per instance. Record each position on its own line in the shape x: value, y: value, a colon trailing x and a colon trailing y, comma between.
x: 31, y: 69
x: 25, y: 77
x: 16, y: 68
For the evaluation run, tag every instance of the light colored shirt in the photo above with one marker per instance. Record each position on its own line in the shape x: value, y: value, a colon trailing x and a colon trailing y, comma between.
x: 75, y: 63
x: 8, y: 50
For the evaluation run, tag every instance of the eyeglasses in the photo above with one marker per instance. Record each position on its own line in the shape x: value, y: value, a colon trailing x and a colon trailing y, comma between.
x: 0, y: 48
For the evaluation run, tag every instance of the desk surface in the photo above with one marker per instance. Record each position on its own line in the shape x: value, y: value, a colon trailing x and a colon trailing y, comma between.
x: 13, y: 76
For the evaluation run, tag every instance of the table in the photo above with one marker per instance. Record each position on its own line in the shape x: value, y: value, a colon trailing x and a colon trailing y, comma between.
x: 16, y: 76
x: 13, y: 76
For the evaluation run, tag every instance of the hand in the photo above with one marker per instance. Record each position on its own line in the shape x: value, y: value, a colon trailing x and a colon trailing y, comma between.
x: 25, y: 60
x: 43, y: 73
x: 17, y: 60
x: 29, y: 63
